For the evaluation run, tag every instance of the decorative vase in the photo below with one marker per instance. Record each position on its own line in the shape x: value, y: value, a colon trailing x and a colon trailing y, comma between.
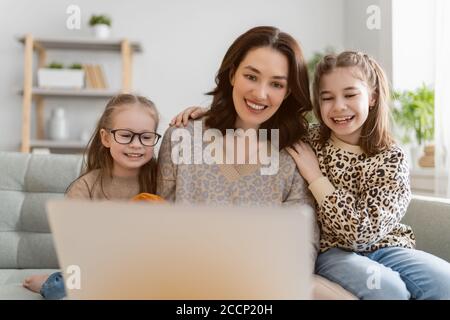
x: 414, y: 152
x: 57, y: 125
x: 427, y: 160
x: 102, y: 31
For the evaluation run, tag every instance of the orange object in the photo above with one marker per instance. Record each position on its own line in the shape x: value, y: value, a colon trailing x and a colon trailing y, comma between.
x: 147, y: 197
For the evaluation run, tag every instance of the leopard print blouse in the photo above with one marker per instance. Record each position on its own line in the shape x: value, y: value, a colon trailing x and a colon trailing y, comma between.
x: 361, y: 199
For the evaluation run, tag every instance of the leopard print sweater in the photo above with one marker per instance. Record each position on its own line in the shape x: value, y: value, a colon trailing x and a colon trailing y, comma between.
x: 361, y: 199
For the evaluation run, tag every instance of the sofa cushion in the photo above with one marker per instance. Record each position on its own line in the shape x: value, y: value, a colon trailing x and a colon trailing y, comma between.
x: 27, y: 181
x: 430, y: 220
x: 324, y: 289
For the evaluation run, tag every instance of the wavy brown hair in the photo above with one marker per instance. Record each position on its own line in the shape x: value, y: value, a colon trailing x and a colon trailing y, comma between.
x: 97, y: 156
x: 375, y: 133
x: 290, y: 117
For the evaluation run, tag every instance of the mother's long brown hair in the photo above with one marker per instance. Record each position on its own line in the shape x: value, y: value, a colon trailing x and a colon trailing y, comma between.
x: 290, y: 117
x: 97, y: 156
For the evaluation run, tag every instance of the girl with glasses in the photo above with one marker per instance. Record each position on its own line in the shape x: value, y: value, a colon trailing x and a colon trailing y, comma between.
x: 120, y: 163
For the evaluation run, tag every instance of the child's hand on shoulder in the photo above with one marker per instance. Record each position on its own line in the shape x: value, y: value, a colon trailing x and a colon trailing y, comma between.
x: 190, y: 113
x: 306, y: 161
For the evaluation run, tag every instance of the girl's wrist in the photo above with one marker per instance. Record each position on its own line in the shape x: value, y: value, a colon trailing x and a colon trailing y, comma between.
x: 313, y: 177
x: 321, y: 188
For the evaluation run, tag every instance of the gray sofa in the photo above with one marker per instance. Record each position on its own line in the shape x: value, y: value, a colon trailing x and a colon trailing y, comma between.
x: 27, y: 181
x: 26, y: 247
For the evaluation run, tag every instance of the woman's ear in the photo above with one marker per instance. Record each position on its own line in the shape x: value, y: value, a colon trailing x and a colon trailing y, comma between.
x: 105, y: 138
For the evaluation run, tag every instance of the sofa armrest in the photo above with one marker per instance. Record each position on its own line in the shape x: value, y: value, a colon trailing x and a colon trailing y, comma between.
x: 430, y: 219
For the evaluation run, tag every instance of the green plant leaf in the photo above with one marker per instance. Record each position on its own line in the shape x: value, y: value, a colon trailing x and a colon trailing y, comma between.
x: 55, y: 65
x: 76, y: 66
x: 416, y: 112
x: 99, y: 19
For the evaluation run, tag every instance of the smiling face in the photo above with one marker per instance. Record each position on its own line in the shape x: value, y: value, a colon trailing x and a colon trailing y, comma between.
x: 260, y: 84
x: 129, y: 158
x: 344, y: 103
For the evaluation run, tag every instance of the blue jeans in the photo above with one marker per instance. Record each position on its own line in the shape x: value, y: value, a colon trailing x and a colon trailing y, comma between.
x: 387, y: 273
x: 53, y: 287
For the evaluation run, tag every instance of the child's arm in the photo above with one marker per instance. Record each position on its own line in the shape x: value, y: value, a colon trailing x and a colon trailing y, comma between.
x: 167, y: 170
x: 365, y: 219
x: 189, y: 113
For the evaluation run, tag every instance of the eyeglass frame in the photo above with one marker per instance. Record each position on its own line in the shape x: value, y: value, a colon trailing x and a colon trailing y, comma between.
x: 133, y: 134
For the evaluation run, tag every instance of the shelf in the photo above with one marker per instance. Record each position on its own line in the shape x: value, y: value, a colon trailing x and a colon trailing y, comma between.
x: 427, y: 172
x: 41, y: 46
x: 423, y: 180
x: 82, y: 44
x: 66, y: 144
x: 80, y: 93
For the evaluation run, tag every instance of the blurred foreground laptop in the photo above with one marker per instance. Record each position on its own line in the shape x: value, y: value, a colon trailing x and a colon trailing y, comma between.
x: 148, y: 251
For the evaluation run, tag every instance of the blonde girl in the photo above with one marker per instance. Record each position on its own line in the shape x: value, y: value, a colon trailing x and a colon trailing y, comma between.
x: 120, y: 163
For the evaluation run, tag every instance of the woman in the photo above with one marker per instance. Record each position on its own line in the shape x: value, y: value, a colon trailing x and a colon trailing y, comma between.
x: 262, y: 83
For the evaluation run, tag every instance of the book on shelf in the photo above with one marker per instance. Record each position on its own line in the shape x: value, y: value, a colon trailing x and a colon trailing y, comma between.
x: 100, y: 77
x: 95, y: 78
x: 88, y: 76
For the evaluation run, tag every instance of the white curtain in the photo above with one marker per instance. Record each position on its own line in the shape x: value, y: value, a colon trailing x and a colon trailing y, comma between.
x: 442, y: 99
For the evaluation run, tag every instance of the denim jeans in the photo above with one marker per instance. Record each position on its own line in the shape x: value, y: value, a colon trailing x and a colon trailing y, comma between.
x: 53, y: 287
x: 387, y: 273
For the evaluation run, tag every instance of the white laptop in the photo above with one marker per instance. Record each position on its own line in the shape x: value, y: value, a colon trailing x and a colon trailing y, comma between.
x: 119, y: 250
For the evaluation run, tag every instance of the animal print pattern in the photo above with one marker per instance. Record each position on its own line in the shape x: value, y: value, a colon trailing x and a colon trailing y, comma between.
x: 371, y: 196
x: 226, y: 184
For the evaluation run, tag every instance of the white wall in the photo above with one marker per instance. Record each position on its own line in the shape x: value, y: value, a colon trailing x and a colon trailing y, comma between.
x: 413, y: 43
x: 183, y: 41
x: 405, y: 42
x: 376, y: 42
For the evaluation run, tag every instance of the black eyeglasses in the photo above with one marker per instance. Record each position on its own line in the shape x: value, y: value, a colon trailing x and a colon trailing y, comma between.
x: 123, y: 136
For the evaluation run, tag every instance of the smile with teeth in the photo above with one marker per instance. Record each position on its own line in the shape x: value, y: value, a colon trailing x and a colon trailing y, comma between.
x: 134, y: 155
x: 255, y: 106
x: 340, y: 120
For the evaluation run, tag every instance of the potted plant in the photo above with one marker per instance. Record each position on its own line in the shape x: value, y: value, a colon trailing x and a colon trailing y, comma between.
x: 414, y: 111
x: 311, y: 65
x: 101, y: 25
x: 315, y: 59
x: 56, y: 76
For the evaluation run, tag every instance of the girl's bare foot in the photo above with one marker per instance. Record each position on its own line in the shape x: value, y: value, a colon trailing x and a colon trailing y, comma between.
x: 34, y: 282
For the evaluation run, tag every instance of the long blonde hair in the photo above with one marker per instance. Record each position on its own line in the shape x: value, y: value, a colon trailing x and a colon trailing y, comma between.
x: 98, y: 157
x: 375, y: 133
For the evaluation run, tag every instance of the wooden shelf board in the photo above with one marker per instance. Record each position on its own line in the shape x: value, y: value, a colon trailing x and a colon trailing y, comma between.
x: 82, y: 44
x: 66, y: 144
x: 82, y: 93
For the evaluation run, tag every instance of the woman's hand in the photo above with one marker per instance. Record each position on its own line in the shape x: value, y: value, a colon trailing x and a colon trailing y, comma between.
x: 183, y: 117
x: 306, y: 161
